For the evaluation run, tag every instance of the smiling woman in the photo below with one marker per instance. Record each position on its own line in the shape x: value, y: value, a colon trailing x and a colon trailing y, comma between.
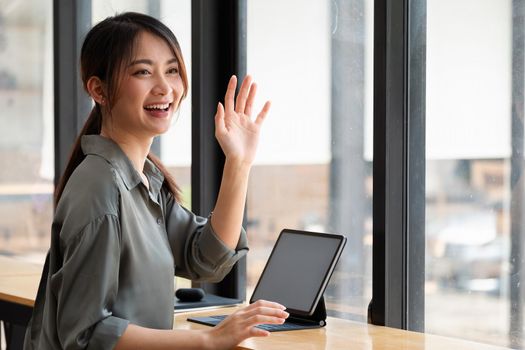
x: 120, y: 233
x: 103, y: 80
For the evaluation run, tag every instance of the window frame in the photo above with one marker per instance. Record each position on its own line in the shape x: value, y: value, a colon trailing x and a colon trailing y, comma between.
x: 398, y: 272
x: 517, y: 163
x: 218, y: 51
x: 71, y: 22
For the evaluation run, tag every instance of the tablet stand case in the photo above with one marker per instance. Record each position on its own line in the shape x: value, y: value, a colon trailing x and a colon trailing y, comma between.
x: 318, y: 317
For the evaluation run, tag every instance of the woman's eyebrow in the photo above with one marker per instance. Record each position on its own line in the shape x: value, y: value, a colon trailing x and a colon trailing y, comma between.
x: 150, y: 62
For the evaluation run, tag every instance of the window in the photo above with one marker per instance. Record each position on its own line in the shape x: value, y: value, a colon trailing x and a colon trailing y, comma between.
x: 474, y: 189
x: 26, y: 134
x: 176, y: 143
x: 313, y: 170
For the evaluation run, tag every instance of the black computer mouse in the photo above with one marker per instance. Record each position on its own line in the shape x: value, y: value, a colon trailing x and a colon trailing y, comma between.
x: 190, y: 294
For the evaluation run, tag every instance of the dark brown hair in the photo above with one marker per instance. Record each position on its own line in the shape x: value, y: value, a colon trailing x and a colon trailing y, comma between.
x: 107, y: 48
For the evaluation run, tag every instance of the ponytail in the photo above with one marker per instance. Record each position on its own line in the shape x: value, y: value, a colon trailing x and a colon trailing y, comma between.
x: 92, y: 126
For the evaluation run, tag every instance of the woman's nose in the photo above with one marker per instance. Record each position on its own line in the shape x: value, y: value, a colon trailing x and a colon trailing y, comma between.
x: 162, y: 87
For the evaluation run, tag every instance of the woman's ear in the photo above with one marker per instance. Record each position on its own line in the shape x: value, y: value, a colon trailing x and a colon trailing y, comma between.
x: 96, y: 90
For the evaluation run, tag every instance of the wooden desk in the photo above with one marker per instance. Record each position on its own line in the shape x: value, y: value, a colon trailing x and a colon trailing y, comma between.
x: 15, y: 267
x: 18, y: 281
x: 19, y: 289
x: 341, y: 334
x: 338, y: 334
x: 18, y: 286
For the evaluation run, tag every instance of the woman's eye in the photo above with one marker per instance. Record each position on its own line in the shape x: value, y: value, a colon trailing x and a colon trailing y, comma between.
x: 173, y: 71
x: 141, y: 72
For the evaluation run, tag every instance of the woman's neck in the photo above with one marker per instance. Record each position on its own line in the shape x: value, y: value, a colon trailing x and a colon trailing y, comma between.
x: 135, y: 148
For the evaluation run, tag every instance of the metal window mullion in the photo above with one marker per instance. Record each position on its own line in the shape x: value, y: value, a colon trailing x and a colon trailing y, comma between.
x: 71, y: 21
x: 416, y: 174
x: 389, y: 202
x: 218, y: 51
x: 517, y: 184
x: 398, y: 225
x: 396, y: 167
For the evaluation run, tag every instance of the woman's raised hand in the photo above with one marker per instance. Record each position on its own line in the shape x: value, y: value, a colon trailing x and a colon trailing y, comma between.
x: 235, y: 131
x: 241, y: 324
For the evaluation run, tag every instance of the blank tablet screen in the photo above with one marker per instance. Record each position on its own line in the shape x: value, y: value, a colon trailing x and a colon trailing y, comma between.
x: 296, y: 269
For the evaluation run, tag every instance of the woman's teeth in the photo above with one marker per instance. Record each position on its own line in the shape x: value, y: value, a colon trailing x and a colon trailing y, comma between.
x: 164, y: 106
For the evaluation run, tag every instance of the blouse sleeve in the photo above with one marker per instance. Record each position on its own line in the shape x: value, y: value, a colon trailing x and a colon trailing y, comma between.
x: 86, y: 287
x: 199, y: 254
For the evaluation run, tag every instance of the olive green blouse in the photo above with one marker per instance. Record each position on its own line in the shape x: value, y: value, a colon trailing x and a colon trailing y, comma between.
x: 115, y: 247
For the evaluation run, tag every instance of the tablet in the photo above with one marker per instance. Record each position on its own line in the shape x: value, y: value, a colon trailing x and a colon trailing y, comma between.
x: 296, y: 276
x: 298, y: 270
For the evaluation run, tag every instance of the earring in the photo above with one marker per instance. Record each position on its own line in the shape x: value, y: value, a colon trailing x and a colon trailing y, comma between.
x: 103, y: 101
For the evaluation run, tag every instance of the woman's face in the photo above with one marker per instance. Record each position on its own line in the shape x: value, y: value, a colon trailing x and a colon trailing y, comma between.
x: 149, y: 92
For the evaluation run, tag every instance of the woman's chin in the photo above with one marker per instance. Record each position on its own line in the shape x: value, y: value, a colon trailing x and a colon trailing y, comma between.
x: 160, y: 126
x: 159, y: 131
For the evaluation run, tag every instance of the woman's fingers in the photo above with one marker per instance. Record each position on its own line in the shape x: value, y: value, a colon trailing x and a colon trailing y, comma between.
x: 263, y: 319
x: 243, y: 104
x: 243, y: 95
x: 268, y: 311
x: 242, y: 323
x: 249, y: 101
x: 263, y: 311
x: 219, y: 119
x: 262, y: 115
x: 257, y: 332
x: 229, y: 103
x: 266, y: 303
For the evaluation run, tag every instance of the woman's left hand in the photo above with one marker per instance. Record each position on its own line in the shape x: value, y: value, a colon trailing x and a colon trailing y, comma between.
x: 235, y: 131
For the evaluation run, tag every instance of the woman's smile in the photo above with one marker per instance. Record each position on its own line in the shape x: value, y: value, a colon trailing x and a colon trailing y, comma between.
x: 159, y: 110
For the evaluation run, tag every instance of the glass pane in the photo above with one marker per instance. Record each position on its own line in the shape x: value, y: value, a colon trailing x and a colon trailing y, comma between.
x: 26, y: 132
x: 470, y: 194
x: 314, y: 166
x: 175, y: 145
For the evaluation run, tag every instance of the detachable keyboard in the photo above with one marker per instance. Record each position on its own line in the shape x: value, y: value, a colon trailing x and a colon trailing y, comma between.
x: 286, y: 326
